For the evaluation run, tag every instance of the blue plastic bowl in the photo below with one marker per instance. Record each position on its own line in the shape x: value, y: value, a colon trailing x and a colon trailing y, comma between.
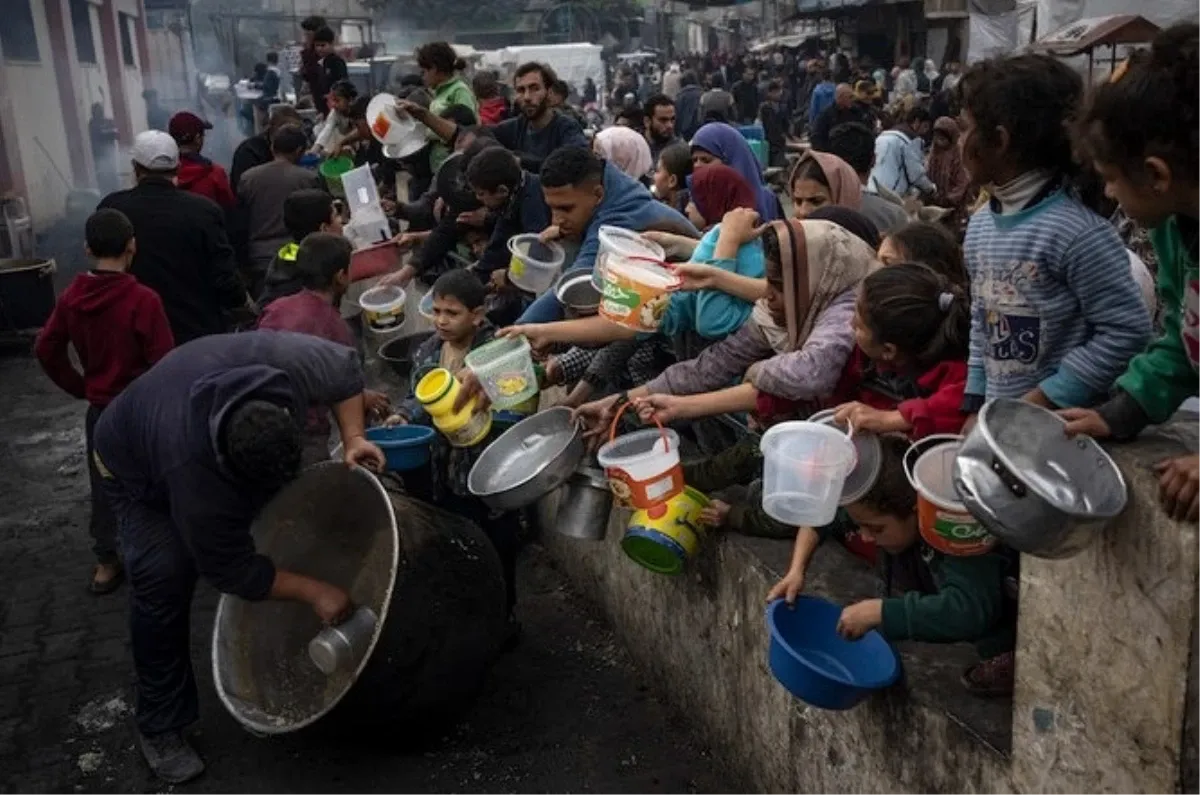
x: 405, y: 446
x: 309, y: 161
x: 816, y: 664
x: 752, y: 132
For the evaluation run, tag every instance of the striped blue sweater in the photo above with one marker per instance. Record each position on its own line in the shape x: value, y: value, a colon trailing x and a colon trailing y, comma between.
x: 1053, y: 303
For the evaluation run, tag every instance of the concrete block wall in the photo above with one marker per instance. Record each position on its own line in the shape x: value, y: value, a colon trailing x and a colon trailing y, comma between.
x: 1105, y: 662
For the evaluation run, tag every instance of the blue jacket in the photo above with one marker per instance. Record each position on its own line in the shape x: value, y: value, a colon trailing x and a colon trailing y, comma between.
x: 822, y: 98
x: 713, y: 314
x: 526, y: 212
x: 628, y: 204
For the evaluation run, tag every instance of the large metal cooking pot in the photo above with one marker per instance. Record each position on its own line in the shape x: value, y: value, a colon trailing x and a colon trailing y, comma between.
x: 432, y: 579
x: 1032, y: 487
x: 529, y: 460
x: 584, y: 507
x: 398, y: 352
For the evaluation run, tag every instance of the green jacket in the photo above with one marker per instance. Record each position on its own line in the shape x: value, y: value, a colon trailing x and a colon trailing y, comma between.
x: 1165, y: 374
x: 740, y: 465
x: 454, y: 91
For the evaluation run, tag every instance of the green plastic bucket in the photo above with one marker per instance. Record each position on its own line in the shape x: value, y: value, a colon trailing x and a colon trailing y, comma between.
x: 331, y: 170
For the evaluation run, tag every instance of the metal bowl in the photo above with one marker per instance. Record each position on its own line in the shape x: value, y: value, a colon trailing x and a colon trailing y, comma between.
x: 398, y: 352
x: 577, y: 294
x: 1032, y: 487
x: 529, y: 460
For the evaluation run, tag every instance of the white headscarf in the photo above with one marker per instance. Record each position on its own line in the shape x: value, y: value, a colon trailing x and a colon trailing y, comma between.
x: 626, y: 149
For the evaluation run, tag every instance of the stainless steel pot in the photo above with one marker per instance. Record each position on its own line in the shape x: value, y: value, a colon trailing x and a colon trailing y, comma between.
x: 585, y: 505
x: 529, y: 460
x: 577, y: 294
x: 1032, y: 487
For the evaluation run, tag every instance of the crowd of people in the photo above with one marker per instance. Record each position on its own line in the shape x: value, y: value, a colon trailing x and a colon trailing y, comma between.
x: 835, y: 298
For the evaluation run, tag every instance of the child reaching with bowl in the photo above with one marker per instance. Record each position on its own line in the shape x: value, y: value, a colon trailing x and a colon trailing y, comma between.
x: 939, y: 598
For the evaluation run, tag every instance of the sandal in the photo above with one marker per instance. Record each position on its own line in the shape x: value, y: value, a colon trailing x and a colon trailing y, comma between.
x: 102, y: 587
x: 991, y: 678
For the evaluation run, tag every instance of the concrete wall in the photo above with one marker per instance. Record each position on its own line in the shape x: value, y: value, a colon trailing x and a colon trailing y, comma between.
x: 91, y: 79
x: 132, y: 75
x: 1104, y: 647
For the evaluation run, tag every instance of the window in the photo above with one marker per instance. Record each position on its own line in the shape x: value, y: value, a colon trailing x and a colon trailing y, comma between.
x: 18, y: 37
x: 126, y: 22
x: 81, y: 23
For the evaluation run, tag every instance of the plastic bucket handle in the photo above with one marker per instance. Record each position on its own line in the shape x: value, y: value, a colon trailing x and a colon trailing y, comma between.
x: 612, y: 429
x: 923, y: 445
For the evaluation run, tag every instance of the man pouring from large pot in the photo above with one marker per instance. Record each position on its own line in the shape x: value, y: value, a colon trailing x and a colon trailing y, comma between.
x: 190, y: 453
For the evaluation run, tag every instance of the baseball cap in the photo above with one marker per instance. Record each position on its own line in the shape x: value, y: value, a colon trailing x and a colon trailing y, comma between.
x: 186, y: 125
x: 154, y: 150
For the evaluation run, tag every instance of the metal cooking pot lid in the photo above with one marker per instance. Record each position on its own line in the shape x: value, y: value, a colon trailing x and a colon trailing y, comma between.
x: 868, y: 463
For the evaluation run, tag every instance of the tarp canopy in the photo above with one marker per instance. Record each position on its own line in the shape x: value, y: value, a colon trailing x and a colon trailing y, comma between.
x: 1087, y: 34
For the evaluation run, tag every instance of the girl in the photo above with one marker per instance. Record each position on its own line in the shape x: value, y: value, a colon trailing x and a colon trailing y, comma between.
x: 671, y: 176
x: 822, y: 180
x: 943, y: 598
x: 945, y: 168
x: 1150, y: 168
x: 906, y: 375
x: 440, y: 67
x: 719, y: 143
x: 928, y: 244
x: 625, y: 149
x: 1056, y: 314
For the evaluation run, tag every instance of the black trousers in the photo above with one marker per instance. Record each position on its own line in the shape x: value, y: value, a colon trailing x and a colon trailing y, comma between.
x: 162, y: 580
x: 103, y: 524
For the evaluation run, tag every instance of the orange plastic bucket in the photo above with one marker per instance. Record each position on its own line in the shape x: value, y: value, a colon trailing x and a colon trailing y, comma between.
x: 635, y: 292
x: 944, y: 522
x: 643, y: 467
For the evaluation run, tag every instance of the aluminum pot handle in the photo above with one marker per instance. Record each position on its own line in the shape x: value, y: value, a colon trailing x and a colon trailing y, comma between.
x: 1008, y: 479
x: 971, y: 500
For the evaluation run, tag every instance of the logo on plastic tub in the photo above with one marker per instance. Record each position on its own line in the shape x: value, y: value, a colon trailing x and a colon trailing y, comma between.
x: 953, y: 533
x: 630, y: 493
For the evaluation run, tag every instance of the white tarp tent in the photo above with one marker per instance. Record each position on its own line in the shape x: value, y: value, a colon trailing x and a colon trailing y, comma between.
x: 571, y: 62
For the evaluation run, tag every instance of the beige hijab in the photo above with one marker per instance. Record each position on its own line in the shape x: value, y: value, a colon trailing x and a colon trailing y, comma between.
x: 821, y: 261
x: 845, y: 189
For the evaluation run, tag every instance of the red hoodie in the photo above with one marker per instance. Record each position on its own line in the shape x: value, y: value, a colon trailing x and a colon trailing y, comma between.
x: 492, y: 111
x: 198, y: 174
x: 118, y: 328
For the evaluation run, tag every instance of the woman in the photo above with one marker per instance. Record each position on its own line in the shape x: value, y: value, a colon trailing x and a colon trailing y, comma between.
x: 822, y: 180
x: 945, y: 168
x: 794, y: 346
x: 439, y: 66
x: 720, y: 143
x: 627, y: 150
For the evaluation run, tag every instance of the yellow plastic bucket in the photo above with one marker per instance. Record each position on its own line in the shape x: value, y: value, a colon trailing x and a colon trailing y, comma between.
x: 662, y: 538
x: 437, y: 391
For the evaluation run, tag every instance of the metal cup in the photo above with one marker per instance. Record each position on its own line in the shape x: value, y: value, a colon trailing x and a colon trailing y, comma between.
x: 343, y: 646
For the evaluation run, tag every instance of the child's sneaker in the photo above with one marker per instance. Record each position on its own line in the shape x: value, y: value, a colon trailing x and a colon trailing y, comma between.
x: 992, y: 677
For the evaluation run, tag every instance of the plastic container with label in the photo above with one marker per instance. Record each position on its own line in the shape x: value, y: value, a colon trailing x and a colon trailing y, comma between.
x: 505, y: 369
x: 615, y: 241
x: 437, y: 391
x: 535, y: 265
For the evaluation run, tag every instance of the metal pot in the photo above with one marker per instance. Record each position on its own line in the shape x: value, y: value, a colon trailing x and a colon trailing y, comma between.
x: 584, y: 508
x: 1032, y: 487
x: 399, y: 352
x: 577, y: 294
x: 529, y: 460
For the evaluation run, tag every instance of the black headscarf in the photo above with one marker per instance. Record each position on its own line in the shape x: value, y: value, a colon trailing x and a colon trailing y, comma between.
x: 852, y: 221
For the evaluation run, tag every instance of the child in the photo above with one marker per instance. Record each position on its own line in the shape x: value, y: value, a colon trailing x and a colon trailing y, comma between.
x: 304, y: 212
x: 1151, y: 169
x: 322, y: 267
x: 928, y: 244
x: 1056, y: 315
x: 118, y: 328
x: 460, y: 326
x: 671, y: 176
x: 906, y: 375
x: 944, y: 599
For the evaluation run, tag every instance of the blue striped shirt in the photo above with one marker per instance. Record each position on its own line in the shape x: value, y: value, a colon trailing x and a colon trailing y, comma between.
x: 1053, y: 303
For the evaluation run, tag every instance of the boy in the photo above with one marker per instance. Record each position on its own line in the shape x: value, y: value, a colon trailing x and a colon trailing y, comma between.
x: 118, y: 328
x: 333, y: 67
x: 459, y: 327
x: 304, y: 212
x: 323, y: 268
x: 944, y: 598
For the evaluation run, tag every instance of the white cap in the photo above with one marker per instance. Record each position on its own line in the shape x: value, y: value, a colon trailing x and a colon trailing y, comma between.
x: 155, y: 150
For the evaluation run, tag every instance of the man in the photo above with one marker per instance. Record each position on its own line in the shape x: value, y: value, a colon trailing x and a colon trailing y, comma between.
x: 189, y: 453
x: 687, y: 106
x: 844, y: 110
x: 584, y: 193
x: 271, y: 82
x: 197, y: 174
x: 899, y: 160
x: 660, y: 124
x: 183, y: 253
x: 717, y: 104
x: 821, y: 98
x: 261, y: 194
x: 310, y: 62
x: 333, y: 67
x: 745, y: 95
x: 855, y: 143
x: 560, y: 94
x: 538, y: 129
x: 256, y: 150
x: 104, y: 135
x: 672, y: 81
x: 774, y: 123
x: 952, y: 76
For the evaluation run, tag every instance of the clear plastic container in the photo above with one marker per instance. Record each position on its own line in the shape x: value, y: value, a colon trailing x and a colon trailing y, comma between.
x: 504, y: 368
x: 868, y: 458
x: 383, y: 307
x: 623, y: 243
x: 805, y: 465
x: 535, y: 265
x: 361, y: 193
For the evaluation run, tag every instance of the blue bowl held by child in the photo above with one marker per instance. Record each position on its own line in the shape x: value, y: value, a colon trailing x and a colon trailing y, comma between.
x: 816, y: 664
x: 406, y: 447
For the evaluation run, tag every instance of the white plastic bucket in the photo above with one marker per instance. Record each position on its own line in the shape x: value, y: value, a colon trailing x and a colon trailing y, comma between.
x: 944, y: 522
x: 804, y: 469
x: 615, y: 241
x: 643, y: 467
x: 504, y: 368
x: 383, y: 307
x: 535, y: 265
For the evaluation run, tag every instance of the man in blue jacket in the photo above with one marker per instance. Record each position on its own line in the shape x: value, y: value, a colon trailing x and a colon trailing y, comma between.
x: 189, y: 453
x: 584, y: 193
